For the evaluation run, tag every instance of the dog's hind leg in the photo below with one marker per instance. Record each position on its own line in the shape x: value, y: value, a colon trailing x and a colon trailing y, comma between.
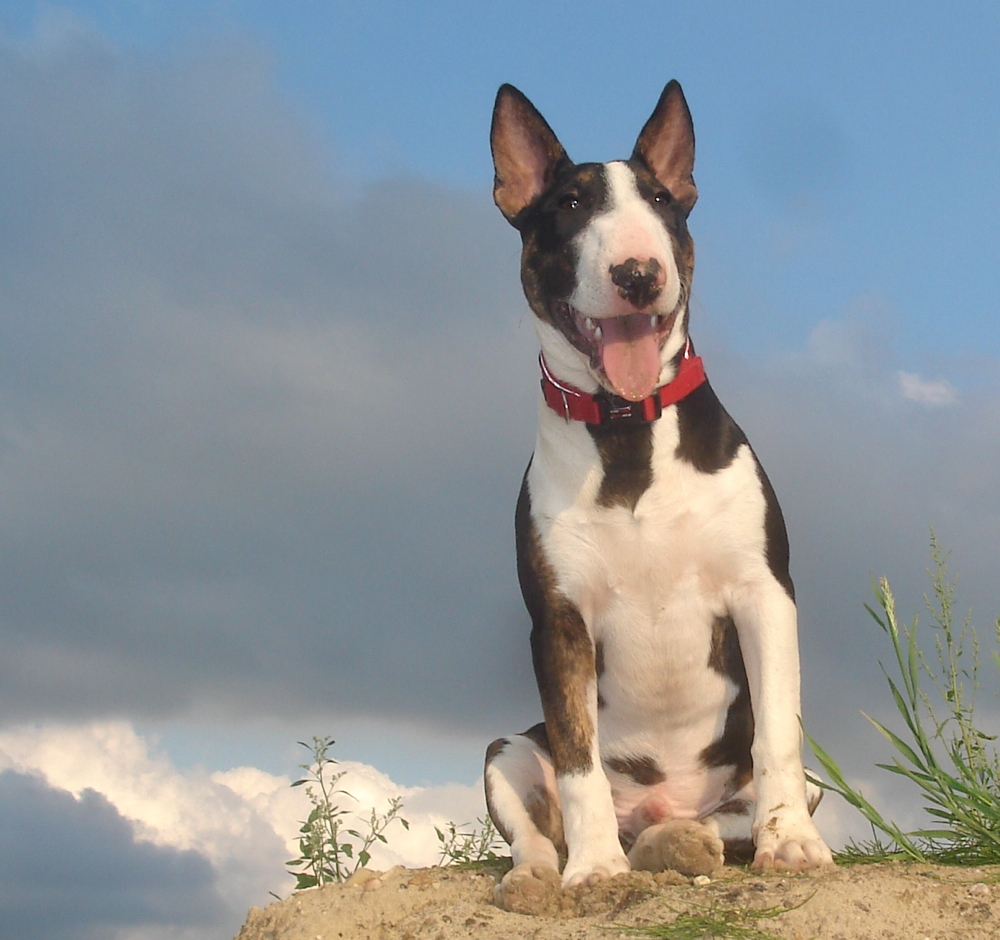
x: 523, y: 803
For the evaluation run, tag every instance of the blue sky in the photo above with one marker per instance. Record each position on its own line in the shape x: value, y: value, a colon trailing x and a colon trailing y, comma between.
x: 860, y: 129
x: 857, y: 129
x: 247, y: 253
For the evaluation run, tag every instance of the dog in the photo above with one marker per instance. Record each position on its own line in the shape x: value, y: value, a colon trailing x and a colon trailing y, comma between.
x: 651, y: 551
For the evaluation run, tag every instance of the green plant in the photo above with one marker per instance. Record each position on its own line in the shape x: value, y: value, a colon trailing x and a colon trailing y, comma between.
x: 331, y: 851
x: 467, y: 848
x: 952, y: 762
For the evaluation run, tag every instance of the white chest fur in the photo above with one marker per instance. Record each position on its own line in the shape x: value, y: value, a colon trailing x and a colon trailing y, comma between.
x: 692, y: 536
x: 651, y: 584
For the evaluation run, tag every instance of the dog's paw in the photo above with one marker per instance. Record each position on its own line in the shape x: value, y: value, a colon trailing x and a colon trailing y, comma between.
x: 684, y: 845
x: 588, y: 871
x: 794, y: 844
x: 528, y: 889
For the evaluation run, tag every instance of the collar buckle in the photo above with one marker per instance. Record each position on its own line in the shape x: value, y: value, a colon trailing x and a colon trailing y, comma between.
x: 616, y: 410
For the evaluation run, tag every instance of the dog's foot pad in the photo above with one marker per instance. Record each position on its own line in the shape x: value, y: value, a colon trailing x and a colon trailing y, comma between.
x: 529, y: 889
x: 684, y: 845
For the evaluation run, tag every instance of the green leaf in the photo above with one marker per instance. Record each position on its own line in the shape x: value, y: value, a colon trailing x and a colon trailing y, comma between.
x: 899, y: 744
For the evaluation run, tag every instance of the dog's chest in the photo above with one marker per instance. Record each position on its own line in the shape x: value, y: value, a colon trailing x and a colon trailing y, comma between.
x: 651, y: 574
x: 654, y: 558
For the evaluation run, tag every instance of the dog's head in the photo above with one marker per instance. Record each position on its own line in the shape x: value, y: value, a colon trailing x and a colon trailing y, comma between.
x: 607, y: 259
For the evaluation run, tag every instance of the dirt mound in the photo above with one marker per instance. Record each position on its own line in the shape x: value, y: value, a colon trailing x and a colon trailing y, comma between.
x: 887, y: 901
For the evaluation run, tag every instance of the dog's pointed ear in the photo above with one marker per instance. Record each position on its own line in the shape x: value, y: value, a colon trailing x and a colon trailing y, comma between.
x: 666, y: 146
x: 526, y: 154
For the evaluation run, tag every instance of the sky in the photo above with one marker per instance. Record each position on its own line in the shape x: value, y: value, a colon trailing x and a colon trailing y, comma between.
x: 268, y: 387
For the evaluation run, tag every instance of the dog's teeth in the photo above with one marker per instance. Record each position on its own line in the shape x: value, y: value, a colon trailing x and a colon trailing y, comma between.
x: 652, y: 320
x: 589, y: 323
x: 597, y: 332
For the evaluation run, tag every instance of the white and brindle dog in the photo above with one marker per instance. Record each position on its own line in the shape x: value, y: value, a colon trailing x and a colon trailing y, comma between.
x: 651, y: 550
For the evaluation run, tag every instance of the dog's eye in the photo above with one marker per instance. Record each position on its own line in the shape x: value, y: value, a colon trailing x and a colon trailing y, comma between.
x: 662, y: 198
x: 569, y: 201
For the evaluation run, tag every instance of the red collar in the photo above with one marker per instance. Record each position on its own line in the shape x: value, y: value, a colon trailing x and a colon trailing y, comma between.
x: 604, y: 408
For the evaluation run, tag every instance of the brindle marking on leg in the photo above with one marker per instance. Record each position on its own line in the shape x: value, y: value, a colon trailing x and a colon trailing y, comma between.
x: 724, y: 655
x: 732, y: 747
x: 546, y: 816
x: 561, y: 650
x: 643, y: 770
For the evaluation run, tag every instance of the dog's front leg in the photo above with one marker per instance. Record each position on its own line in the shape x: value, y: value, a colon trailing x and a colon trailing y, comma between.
x: 784, y: 833
x: 563, y: 654
x: 562, y: 651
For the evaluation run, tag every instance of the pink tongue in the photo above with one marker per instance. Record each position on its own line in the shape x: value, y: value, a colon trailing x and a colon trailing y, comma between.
x: 630, y: 355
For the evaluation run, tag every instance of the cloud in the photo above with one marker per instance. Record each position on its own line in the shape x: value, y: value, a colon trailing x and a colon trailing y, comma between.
x: 424, y: 808
x: 224, y: 837
x: 261, y: 437
x: 935, y: 392
x: 236, y: 406
x: 71, y: 867
x: 232, y: 834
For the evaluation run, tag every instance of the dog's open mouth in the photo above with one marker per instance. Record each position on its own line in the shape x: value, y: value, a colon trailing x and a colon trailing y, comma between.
x: 625, y: 349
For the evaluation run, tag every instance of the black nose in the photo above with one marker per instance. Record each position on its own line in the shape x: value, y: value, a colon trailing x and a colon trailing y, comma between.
x: 639, y: 282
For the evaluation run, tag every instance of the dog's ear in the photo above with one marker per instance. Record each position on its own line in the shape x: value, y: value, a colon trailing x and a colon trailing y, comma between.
x: 527, y: 156
x: 666, y: 146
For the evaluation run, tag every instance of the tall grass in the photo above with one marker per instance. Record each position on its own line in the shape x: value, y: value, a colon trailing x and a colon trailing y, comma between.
x: 953, y: 763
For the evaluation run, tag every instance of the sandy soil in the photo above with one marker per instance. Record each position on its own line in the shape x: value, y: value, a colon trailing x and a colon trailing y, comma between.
x: 888, y: 901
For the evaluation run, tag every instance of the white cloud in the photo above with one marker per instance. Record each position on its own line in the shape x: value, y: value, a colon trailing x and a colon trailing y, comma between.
x: 424, y: 808
x: 244, y: 820
x: 927, y: 392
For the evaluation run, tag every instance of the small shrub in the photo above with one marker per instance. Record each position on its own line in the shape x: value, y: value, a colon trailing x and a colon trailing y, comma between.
x: 467, y: 848
x: 331, y: 851
x: 953, y: 763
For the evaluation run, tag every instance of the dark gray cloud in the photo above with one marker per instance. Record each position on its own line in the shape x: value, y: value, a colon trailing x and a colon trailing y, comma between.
x: 260, y: 439
x: 72, y: 868
x: 245, y: 419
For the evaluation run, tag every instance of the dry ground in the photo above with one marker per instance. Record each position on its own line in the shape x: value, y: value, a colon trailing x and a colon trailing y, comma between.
x: 887, y: 901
